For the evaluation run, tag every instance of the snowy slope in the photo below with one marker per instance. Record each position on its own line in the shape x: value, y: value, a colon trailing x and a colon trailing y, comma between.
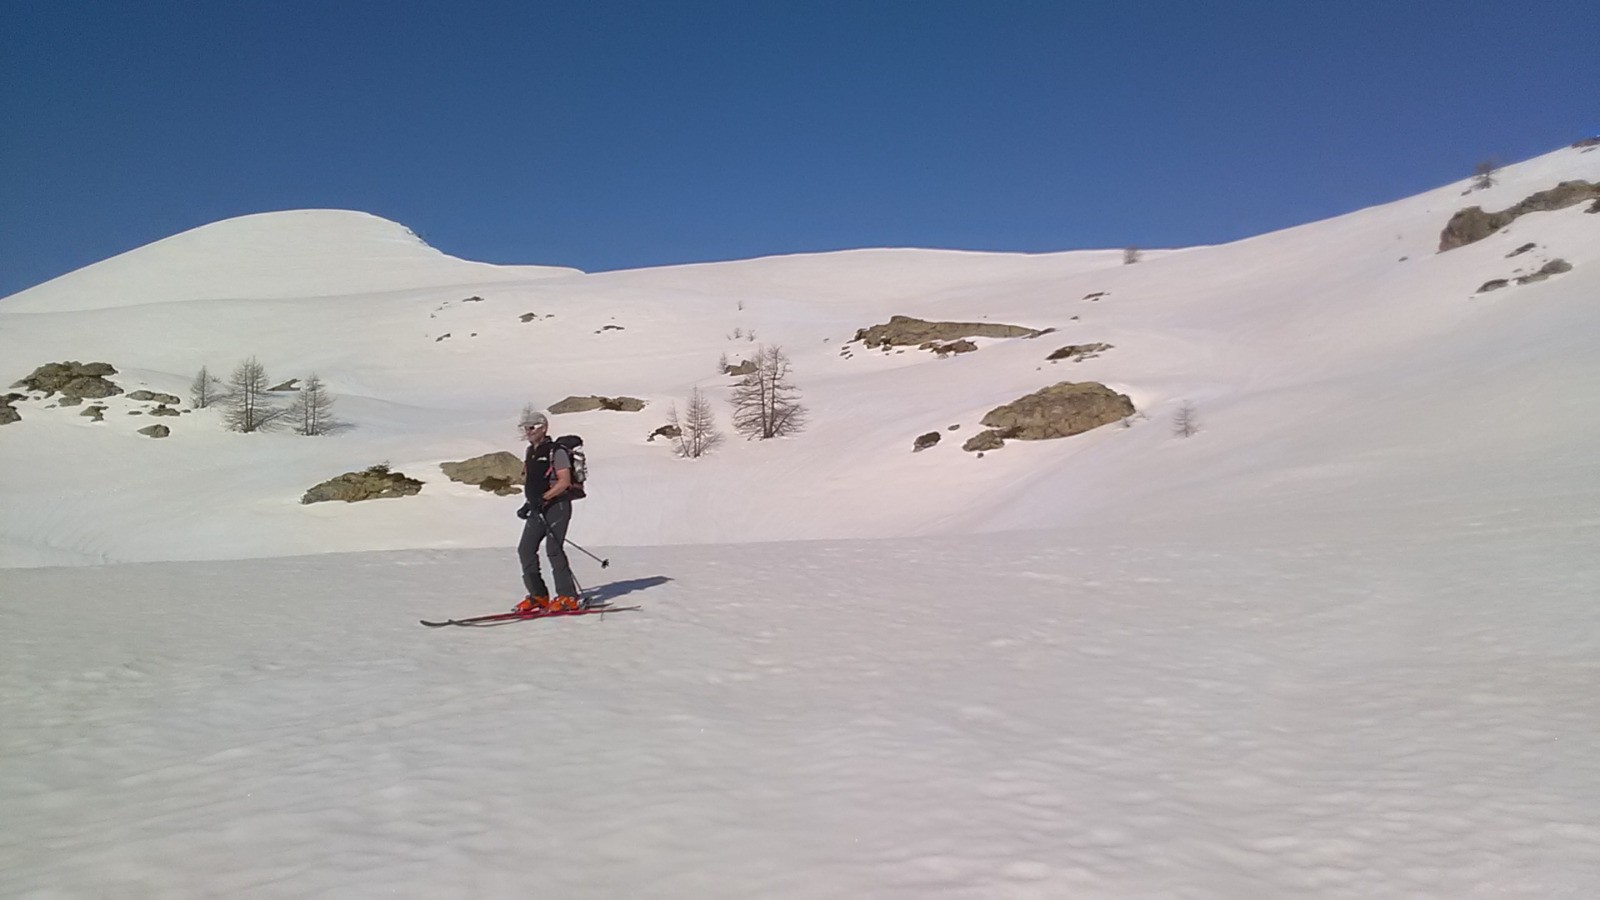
x: 1366, y: 708
x: 1311, y: 355
x: 1341, y: 642
x: 299, y: 253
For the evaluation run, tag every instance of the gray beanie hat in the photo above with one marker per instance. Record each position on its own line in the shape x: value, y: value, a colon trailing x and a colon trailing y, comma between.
x: 534, y: 418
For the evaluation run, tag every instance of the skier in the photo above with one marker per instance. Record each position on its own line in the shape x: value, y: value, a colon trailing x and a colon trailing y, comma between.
x: 547, y: 475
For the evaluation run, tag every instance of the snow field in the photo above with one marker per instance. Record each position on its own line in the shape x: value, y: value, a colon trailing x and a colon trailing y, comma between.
x: 1033, y: 714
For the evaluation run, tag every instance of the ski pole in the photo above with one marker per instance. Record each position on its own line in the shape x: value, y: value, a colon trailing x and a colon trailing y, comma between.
x: 603, y: 562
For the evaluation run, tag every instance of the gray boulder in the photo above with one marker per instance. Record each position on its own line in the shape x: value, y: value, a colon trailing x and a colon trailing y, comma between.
x: 944, y: 350
x: 156, y: 431
x: 585, y: 404
x: 499, y: 472
x: 925, y: 441
x: 1078, y: 352
x: 1493, y: 284
x: 73, y: 379
x: 8, y: 413
x: 670, y: 432
x: 905, y: 331
x: 153, y: 397
x: 989, y: 439
x: 1058, y: 411
x: 374, y: 483
x: 96, y: 413
x: 747, y: 367
x: 1474, y: 224
x: 1553, y: 267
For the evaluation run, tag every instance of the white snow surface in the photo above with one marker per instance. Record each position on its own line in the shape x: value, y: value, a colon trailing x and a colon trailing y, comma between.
x: 1341, y: 642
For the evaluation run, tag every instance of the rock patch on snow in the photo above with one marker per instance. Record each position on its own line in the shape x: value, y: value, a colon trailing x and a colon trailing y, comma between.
x: 585, y: 404
x: 144, y: 396
x: 1060, y: 410
x: 1078, y: 352
x: 374, y: 483
x: 499, y: 472
x: 73, y: 379
x: 944, y: 350
x: 1553, y: 267
x: 906, y: 331
x: 1474, y: 223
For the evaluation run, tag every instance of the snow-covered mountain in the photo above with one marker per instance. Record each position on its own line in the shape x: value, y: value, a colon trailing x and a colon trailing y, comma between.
x: 1339, y: 642
x: 1345, y: 358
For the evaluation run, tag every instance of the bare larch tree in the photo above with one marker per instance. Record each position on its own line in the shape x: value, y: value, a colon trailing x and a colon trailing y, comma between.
x: 766, y: 404
x: 697, y: 432
x: 1185, y: 423
x: 249, y: 408
x: 311, y: 411
x: 1483, y: 174
x: 206, y: 389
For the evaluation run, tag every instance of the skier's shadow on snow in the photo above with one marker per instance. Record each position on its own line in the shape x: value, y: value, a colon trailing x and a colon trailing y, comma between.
x: 606, y: 593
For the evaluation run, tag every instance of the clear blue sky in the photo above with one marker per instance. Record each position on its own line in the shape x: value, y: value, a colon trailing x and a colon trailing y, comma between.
x: 610, y: 135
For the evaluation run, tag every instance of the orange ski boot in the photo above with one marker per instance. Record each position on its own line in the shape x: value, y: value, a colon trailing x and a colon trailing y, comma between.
x: 532, y: 604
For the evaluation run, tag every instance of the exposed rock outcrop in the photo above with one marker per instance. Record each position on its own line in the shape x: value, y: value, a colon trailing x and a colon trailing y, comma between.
x: 739, y: 370
x: 1474, y: 224
x: 925, y: 441
x: 585, y: 404
x: 96, y: 413
x: 499, y: 472
x: 988, y: 439
x: 153, y: 397
x: 8, y: 413
x: 1061, y: 410
x: 905, y: 331
x: 1586, y: 142
x: 374, y: 483
x: 670, y: 432
x: 943, y: 350
x: 1553, y: 267
x: 1078, y: 352
x: 155, y: 431
x: 73, y: 379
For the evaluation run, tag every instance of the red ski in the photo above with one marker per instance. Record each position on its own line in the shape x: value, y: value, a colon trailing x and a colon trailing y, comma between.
x: 507, y: 618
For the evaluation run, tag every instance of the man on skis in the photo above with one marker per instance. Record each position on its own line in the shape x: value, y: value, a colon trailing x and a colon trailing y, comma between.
x: 547, y: 476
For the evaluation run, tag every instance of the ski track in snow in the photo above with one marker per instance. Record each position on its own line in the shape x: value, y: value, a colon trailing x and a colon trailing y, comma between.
x: 1038, y: 714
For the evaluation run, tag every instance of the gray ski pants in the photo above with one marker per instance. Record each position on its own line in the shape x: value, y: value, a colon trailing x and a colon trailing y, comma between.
x: 552, y: 524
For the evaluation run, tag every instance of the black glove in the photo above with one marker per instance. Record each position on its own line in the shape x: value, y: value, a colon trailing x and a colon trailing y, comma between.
x: 525, y: 511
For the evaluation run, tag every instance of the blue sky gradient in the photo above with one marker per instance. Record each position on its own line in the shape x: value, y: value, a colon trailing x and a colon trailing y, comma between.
x: 607, y: 135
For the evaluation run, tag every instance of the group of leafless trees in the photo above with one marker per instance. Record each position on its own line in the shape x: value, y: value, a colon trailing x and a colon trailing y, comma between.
x: 248, y: 403
x: 766, y: 404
